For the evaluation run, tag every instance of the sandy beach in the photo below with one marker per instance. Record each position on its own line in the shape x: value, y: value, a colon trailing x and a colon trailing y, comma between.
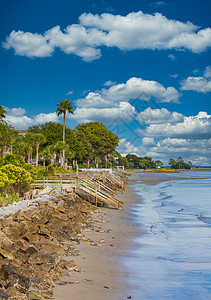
x: 101, y: 275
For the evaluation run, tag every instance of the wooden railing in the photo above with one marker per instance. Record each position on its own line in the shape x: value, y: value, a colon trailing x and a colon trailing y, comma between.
x: 93, y: 187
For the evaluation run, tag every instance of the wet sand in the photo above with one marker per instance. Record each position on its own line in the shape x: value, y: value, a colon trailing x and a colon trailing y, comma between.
x: 101, y: 274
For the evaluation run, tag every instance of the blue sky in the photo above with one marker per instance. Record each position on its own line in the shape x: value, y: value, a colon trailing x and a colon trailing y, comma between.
x: 140, y: 67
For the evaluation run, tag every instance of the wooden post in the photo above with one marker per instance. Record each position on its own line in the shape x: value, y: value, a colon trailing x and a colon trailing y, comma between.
x: 43, y: 182
x: 96, y: 197
x: 60, y: 183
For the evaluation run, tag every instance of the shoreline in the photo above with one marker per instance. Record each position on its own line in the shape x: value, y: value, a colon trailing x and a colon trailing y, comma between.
x: 103, y: 275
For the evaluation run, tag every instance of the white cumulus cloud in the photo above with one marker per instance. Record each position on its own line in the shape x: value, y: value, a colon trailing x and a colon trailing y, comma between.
x: 124, y: 113
x: 17, y: 118
x: 159, y: 116
x: 133, y: 31
x: 198, y: 84
x: 195, y: 127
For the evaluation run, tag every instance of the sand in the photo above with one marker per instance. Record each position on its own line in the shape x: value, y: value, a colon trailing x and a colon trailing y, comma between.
x: 102, y: 275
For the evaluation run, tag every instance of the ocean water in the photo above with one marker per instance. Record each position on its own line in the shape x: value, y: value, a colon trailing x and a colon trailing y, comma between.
x: 172, y: 259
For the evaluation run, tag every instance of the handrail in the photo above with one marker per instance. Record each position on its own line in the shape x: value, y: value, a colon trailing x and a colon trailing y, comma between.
x: 89, y: 187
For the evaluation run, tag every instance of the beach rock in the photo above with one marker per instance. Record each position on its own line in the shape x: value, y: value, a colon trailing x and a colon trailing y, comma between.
x: 3, y: 295
x: 33, y: 244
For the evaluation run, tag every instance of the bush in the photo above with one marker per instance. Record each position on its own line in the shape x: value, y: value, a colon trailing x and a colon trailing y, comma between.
x: 51, y: 170
x: 31, y: 169
x: 18, y: 178
x: 14, y: 160
x: 42, y: 172
x: 4, y: 180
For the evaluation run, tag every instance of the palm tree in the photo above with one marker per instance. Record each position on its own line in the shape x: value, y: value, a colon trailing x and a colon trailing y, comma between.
x: 45, y: 153
x: 30, y: 139
x: 51, y: 151
x: 59, y: 147
x: 63, y: 107
x: 22, y: 148
x: 39, y: 139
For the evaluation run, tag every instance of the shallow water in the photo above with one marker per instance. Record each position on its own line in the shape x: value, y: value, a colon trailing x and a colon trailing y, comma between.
x: 172, y: 259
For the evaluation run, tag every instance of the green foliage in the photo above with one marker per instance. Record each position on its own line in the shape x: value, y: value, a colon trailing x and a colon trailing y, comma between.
x: 103, y: 141
x: 4, y: 180
x: 141, y: 162
x: 42, y: 172
x: 2, y: 113
x: 18, y: 178
x: 6, y: 199
x: 51, y: 170
x: 31, y: 169
x: 159, y: 164
x: 63, y: 107
x: 179, y: 164
x: 14, y: 160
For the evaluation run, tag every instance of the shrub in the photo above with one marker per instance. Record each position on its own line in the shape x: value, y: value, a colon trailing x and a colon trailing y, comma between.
x: 19, y: 178
x: 4, y: 180
x: 14, y: 160
x: 51, y: 170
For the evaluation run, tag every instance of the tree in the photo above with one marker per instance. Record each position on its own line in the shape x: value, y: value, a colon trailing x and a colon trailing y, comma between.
x: 103, y: 141
x: 63, y: 107
x: 60, y: 147
x: 180, y: 162
x: 30, y: 139
x: 159, y: 164
x: 2, y: 113
x: 51, y: 149
x: 45, y: 154
x: 172, y: 163
x: 22, y: 148
x: 39, y: 139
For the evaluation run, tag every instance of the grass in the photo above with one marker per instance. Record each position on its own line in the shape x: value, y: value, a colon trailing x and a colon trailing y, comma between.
x: 6, y: 199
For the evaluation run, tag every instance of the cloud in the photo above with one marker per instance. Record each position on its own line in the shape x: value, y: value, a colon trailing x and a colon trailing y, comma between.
x: 69, y: 93
x: 112, y: 103
x: 159, y: 116
x: 194, y: 127
x: 188, y: 149
x: 124, y: 113
x: 16, y: 112
x: 198, y: 84
x: 133, y: 31
x: 125, y: 147
x: 174, y: 75
x: 207, y: 72
x: 148, y: 142
x: 109, y: 83
x: 168, y: 148
x: 158, y: 3
x: 172, y: 56
x: 16, y: 117
x: 43, y: 118
x: 134, y: 88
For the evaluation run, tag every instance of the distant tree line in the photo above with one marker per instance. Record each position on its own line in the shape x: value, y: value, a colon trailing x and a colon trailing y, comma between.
x: 180, y: 164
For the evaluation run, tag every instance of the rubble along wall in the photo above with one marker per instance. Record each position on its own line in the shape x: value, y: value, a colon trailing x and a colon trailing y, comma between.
x: 34, y: 242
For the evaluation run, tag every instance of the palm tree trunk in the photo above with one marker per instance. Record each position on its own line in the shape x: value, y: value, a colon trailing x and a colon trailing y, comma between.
x: 37, y: 148
x: 63, y: 140
x: 60, y: 158
x: 43, y: 162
